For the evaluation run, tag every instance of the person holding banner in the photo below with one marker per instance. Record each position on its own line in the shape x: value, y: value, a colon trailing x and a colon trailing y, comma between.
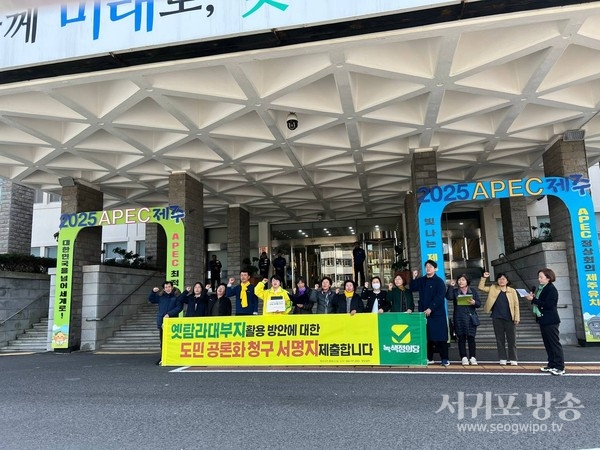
x: 348, y: 302
x: 275, y: 299
x: 323, y: 297
x: 246, y: 303
x: 432, y: 302
x: 399, y: 296
x: 376, y: 298
x: 301, y: 298
x: 167, y: 306
x: 466, y: 321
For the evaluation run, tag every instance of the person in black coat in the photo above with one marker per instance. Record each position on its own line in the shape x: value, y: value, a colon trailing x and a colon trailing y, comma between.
x: 348, y: 301
x: 464, y: 325
x: 375, y: 294
x: 219, y: 304
x: 264, y: 263
x: 432, y: 302
x: 301, y: 298
x: 196, y: 300
x: 546, y: 300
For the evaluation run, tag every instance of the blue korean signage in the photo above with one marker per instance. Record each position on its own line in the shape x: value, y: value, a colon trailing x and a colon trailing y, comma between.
x: 572, y: 190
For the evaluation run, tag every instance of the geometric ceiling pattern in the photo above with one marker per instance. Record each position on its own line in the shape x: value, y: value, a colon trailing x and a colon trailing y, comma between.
x: 488, y: 95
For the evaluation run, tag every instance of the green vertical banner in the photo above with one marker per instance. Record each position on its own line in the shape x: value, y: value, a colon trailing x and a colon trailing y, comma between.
x: 169, y: 217
x: 402, y: 339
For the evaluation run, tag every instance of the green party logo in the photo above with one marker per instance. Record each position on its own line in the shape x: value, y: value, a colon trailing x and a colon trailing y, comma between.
x: 401, y: 334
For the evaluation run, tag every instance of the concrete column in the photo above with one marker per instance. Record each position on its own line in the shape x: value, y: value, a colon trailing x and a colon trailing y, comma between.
x: 424, y: 173
x: 515, y: 223
x: 238, y: 238
x: 188, y: 193
x: 563, y: 159
x: 16, y: 217
x: 156, y: 246
x: 88, y: 247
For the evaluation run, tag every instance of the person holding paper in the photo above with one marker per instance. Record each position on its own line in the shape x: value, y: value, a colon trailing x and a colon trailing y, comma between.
x: 399, y: 296
x: 503, y: 303
x: 465, y: 301
x: 546, y: 299
x: 275, y: 299
x: 375, y: 297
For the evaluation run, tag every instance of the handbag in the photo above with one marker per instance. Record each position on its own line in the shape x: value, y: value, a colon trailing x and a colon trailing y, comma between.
x: 474, y: 319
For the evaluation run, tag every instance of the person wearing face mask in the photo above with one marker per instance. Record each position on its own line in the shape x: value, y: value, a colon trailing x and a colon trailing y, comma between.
x: 375, y: 297
x: 399, y: 296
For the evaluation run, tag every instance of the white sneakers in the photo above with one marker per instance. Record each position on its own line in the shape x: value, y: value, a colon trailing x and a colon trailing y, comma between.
x: 466, y: 361
x: 502, y: 362
x: 514, y: 363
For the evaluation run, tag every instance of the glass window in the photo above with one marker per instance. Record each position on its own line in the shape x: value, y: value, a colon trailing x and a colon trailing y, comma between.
x: 53, y: 198
x: 51, y: 252
x: 140, y: 248
x: 110, y: 246
x: 35, y: 251
x: 38, y: 196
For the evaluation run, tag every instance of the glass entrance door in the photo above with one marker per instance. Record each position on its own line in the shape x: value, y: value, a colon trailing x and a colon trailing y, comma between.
x: 380, y: 256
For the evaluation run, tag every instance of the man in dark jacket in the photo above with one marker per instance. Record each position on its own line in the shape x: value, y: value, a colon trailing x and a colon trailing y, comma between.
x: 279, y: 264
x: 167, y: 306
x: 215, y: 266
x: 246, y: 302
x: 359, y: 256
x: 264, y: 263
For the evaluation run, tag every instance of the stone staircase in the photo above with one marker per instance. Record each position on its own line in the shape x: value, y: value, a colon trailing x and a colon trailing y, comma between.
x: 139, y: 334
x: 34, y: 339
x: 528, y: 331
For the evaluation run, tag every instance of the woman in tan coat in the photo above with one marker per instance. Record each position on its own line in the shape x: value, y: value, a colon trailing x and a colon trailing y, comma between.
x: 503, y: 303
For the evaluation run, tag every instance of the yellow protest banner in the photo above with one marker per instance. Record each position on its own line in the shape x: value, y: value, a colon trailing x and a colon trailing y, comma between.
x: 327, y: 339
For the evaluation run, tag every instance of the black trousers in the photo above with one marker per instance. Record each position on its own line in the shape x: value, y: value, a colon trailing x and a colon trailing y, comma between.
x: 462, y: 347
x: 440, y: 347
x: 215, y: 280
x: 359, y: 270
x: 551, y: 338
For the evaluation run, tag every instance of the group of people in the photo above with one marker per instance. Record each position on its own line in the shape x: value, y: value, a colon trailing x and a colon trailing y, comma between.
x: 502, y: 302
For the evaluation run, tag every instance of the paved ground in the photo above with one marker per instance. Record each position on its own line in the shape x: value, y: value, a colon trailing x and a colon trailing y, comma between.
x: 85, y: 400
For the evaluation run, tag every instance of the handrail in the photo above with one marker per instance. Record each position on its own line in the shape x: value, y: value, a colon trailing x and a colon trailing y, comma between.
x: 128, y: 296
x: 515, y: 269
x: 23, y: 309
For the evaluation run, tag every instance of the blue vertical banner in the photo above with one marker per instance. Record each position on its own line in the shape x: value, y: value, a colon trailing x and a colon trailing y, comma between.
x: 573, y: 190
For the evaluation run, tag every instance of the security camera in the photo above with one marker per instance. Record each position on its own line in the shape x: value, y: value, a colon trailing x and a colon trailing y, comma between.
x: 292, y: 121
